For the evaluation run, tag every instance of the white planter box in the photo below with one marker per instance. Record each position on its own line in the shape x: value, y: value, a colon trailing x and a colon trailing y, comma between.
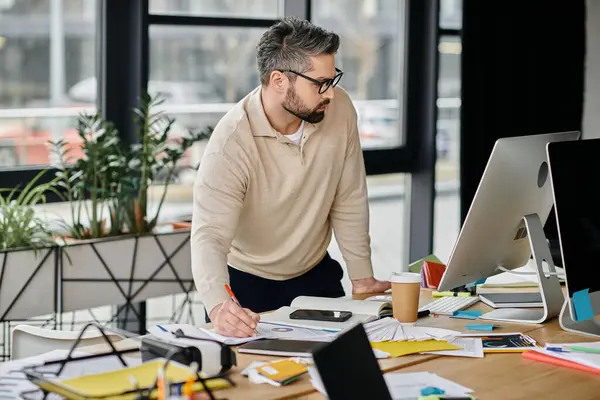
x: 27, y: 283
x: 124, y: 269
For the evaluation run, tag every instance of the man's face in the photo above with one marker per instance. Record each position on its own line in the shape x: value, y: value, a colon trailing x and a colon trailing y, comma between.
x: 302, y: 98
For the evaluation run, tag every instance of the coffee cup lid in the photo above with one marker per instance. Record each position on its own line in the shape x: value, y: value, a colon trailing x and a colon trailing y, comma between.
x: 405, y: 277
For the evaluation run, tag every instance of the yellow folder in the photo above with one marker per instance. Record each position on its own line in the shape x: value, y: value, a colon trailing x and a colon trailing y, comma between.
x: 397, y: 349
x: 115, y: 384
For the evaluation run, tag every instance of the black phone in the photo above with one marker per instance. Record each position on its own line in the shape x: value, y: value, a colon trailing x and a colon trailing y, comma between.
x: 321, y: 315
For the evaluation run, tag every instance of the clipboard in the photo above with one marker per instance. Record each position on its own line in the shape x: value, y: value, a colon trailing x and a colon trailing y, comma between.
x: 128, y: 383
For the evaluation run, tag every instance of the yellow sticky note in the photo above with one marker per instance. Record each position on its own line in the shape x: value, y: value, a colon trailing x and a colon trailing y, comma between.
x: 397, y: 349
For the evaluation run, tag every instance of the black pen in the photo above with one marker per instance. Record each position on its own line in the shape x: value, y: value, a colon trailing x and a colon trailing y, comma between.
x: 423, y: 313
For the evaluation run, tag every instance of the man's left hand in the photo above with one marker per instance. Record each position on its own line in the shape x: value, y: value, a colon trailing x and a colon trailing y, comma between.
x: 369, y: 285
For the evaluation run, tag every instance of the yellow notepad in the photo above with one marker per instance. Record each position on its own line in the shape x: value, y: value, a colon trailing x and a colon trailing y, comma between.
x: 397, y: 349
x: 112, y: 384
x: 282, y: 372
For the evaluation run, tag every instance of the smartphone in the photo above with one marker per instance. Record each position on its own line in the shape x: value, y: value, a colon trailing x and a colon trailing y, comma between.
x: 321, y: 315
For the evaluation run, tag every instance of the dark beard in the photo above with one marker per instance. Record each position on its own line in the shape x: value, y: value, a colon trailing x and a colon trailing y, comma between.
x: 294, y: 106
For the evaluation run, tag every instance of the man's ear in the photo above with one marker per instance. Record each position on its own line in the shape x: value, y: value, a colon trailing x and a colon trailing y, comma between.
x: 278, y: 81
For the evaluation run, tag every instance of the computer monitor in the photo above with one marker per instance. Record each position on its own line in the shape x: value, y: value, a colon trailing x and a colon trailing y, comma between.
x: 574, y: 172
x: 504, y: 225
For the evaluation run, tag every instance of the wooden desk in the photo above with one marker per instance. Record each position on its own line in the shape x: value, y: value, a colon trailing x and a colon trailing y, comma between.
x: 504, y: 375
x: 496, y: 376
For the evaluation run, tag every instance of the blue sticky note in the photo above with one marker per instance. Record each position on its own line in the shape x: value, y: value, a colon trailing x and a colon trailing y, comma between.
x: 582, y: 305
x: 480, y: 327
x: 466, y: 314
x: 429, y: 390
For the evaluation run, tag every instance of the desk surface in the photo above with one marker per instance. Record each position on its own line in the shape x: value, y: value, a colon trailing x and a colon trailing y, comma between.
x: 496, y: 376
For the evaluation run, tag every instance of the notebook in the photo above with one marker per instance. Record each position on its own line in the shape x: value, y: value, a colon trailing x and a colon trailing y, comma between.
x: 282, y: 372
x: 512, y: 300
x: 282, y: 347
x: 362, y: 311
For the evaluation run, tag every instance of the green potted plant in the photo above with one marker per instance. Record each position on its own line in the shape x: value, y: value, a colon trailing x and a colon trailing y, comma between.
x: 116, y: 255
x: 27, y: 252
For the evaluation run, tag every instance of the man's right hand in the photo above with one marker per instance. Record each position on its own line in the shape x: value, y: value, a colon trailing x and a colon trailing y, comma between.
x: 229, y: 319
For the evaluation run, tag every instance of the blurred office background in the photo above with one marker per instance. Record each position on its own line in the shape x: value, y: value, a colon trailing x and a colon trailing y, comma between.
x: 49, y: 60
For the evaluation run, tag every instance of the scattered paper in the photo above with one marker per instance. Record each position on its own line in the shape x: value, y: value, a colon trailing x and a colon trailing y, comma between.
x: 469, y: 347
x: 409, y: 385
x: 265, y: 331
x: 591, y: 360
x: 405, y: 386
x: 389, y: 329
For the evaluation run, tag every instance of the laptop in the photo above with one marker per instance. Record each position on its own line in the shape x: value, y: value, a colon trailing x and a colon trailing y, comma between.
x: 348, y: 368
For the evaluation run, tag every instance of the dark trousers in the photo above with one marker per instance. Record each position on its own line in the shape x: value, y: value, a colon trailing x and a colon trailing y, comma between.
x: 260, y: 294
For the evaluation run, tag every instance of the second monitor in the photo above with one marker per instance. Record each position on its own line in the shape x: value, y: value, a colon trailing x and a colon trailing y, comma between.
x: 504, y: 225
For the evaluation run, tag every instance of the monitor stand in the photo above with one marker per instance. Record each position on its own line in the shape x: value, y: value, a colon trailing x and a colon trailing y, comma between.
x: 550, y: 290
x: 590, y: 327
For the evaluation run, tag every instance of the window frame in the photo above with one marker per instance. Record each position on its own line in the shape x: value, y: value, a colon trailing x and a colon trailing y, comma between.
x: 123, y: 75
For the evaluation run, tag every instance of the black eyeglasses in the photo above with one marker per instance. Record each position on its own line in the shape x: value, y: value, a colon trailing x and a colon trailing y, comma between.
x: 323, y: 85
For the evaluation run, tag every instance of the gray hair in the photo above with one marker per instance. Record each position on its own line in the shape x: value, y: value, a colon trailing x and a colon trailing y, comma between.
x: 289, y: 44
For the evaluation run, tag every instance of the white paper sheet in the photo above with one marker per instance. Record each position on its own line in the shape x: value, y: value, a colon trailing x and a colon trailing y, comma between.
x: 389, y: 329
x: 471, y: 347
x: 405, y: 386
x: 588, y: 359
x: 265, y: 331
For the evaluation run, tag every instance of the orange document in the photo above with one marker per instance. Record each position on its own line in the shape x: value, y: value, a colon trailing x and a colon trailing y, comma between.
x: 537, y: 356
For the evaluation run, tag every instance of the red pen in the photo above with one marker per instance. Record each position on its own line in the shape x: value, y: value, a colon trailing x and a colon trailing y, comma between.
x: 230, y: 292
x: 235, y: 300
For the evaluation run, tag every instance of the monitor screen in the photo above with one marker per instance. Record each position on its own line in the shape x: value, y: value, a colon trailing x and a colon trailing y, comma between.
x: 575, y: 171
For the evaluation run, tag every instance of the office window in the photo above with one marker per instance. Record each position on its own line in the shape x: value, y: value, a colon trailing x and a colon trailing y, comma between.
x: 372, y: 57
x: 47, y: 53
x: 219, y: 8
x: 451, y: 14
x: 200, y: 72
x: 447, y: 200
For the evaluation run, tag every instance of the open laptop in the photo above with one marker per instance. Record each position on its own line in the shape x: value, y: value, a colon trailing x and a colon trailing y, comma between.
x: 348, y: 368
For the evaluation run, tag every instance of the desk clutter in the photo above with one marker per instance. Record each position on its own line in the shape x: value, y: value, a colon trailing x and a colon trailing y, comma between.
x: 113, y: 373
x: 179, y: 360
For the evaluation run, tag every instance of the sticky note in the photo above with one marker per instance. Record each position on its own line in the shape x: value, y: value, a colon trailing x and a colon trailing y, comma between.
x: 467, y: 314
x: 473, y: 284
x: 429, y: 390
x: 582, y: 305
x: 480, y: 327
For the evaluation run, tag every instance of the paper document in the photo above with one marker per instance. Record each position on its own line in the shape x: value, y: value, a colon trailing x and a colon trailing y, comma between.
x: 265, y: 331
x: 405, y: 386
x: 470, y: 347
x: 195, y: 332
x: 511, y: 280
x: 591, y: 360
x: 389, y: 329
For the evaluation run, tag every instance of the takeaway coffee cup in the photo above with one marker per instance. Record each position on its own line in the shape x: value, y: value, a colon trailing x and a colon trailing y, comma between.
x: 406, y: 287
